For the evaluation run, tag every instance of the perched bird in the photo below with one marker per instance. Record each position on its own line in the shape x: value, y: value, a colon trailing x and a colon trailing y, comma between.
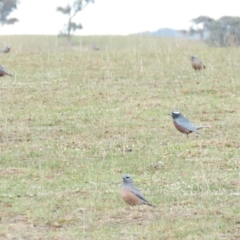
x: 197, y: 63
x: 5, y: 50
x: 3, y: 72
x: 130, y: 194
x: 183, y: 125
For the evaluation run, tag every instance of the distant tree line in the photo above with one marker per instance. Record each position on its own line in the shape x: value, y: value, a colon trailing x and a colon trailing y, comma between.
x: 222, y: 32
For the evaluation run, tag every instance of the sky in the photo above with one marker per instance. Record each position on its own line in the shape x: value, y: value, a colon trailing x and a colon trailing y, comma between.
x: 116, y: 17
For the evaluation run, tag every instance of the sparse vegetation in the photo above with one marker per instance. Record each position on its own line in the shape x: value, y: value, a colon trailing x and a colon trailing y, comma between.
x: 73, y: 120
x: 71, y: 10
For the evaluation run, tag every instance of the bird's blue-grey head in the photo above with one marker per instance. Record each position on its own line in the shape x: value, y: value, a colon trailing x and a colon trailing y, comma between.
x: 175, y: 114
x: 193, y: 58
x: 127, y: 179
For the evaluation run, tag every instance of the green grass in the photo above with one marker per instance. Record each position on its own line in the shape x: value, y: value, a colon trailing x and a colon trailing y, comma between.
x: 73, y: 121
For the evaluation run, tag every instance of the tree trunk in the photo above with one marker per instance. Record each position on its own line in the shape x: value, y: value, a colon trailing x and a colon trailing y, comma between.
x: 69, y: 38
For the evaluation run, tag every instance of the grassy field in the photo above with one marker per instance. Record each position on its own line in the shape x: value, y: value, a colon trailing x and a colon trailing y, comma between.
x: 74, y: 120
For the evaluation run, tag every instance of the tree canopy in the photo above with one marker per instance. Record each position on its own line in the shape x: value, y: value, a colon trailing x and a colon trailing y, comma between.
x: 6, y: 7
x: 200, y: 25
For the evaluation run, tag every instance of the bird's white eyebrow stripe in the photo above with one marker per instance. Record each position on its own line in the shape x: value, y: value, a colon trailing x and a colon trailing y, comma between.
x: 176, y: 112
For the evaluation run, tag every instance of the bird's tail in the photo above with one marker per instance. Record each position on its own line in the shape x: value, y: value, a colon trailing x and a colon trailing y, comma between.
x: 9, y: 74
x: 149, y: 204
x: 202, y: 127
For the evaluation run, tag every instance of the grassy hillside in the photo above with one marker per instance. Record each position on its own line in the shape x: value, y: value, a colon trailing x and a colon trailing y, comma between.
x: 73, y: 121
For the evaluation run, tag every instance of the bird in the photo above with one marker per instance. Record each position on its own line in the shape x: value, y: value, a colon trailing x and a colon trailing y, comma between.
x: 3, y: 72
x: 183, y: 125
x: 5, y: 50
x: 197, y: 63
x: 130, y: 194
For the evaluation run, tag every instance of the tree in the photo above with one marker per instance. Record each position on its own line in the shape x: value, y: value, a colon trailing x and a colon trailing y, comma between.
x: 225, y: 31
x: 200, y: 25
x: 71, y: 11
x: 6, y: 7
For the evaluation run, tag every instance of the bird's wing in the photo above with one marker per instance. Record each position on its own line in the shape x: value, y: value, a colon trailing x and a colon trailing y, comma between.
x: 2, y: 68
x: 183, y: 122
x: 136, y: 192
